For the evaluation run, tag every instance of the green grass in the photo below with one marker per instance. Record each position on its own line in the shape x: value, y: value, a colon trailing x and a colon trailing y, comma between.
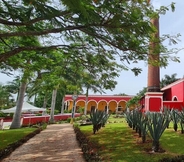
x: 12, y: 135
x: 116, y: 142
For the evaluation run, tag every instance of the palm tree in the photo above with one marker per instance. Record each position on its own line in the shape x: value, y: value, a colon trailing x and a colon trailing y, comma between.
x: 13, y: 86
x: 5, y: 96
x: 168, y: 80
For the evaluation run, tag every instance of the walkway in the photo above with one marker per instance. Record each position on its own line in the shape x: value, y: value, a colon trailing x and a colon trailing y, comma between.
x: 56, y: 143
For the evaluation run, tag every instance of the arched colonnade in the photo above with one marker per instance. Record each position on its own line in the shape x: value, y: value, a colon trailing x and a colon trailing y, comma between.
x: 99, y: 102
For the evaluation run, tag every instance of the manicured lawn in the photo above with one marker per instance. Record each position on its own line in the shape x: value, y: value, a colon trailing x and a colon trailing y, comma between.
x: 116, y: 142
x: 12, y: 135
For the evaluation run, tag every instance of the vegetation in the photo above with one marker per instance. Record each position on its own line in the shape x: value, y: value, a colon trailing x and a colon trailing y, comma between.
x: 117, y: 142
x: 98, y: 119
x: 157, y: 123
x: 10, y: 136
x: 64, y: 46
x: 168, y: 80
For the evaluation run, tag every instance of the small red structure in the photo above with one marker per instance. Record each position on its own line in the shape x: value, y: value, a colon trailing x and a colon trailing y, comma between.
x: 31, y: 120
x: 171, y: 96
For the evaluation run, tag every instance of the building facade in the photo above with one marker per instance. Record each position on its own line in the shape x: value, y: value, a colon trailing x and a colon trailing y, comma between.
x: 110, y: 103
x: 171, y: 96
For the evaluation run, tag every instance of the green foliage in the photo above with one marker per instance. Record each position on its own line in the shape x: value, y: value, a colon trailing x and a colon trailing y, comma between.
x: 157, y: 123
x: 80, y: 110
x: 17, y: 135
x: 168, y: 80
x: 175, y: 118
x: 128, y: 117
x: 125, y: 27
x: 181, y: 116
x: 138, y: 121
x: 69, y: 119
x: 124, y: 144
x: 2, y: 114
x: 98, y: 119
x: 135, y: 101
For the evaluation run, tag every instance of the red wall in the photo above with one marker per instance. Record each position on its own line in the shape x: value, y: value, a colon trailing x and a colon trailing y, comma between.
x: 178, y: 90
x: 173, y: 104
x: 97, y: 98
x: 155, y: 104
x: 36, y: 119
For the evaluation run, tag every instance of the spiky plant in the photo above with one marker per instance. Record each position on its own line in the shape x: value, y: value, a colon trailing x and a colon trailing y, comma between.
x: 181, y: 116
x: 157, y: 123
x: 98, y: 119
x: 128, y: 118
x: 134, y: 119
x: 144, y: 129
x: 175, y: 118
x: 167, y: 112
x: 138, y: 121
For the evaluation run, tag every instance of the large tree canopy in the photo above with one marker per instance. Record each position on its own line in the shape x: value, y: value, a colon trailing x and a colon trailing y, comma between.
x: 120, y: 28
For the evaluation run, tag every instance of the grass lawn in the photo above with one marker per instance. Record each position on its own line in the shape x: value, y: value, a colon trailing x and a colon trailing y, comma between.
x: 116, y: 142
x: 10, y: 136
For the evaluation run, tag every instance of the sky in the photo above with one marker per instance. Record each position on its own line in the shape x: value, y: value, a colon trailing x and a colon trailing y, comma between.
x: 170, y: 23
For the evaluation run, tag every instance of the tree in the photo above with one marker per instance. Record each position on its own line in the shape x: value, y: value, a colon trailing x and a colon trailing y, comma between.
x: 17, y: 115
x: 27, y: 63
x: 168, y: 80
x: 135, y: 101
x: 116, y: 27
x: 5, y: 97
x: 14, y: 86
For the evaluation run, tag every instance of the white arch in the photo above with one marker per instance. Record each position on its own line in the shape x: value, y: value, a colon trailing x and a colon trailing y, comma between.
x: 174, y: 97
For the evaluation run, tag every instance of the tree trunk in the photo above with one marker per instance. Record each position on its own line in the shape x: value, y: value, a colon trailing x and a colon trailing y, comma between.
x: 45, y: 101
x: 62, y: 106
x: 54, y: 93
x: 17, y: 115
x: 86, y: 103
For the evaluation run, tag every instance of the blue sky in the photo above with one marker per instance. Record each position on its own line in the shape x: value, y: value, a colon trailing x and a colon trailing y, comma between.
x: 170, y: 23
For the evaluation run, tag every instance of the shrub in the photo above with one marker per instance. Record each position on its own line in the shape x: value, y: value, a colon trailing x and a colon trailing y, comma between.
x: 98, y: 119
x: 157, y: 123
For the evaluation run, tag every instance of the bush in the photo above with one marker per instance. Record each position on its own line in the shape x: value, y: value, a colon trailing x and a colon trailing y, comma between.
x: 80, y: 110
x: 175, y: 159
x: 2, y: 114
x: 88, y: 148
x: 68, y: 120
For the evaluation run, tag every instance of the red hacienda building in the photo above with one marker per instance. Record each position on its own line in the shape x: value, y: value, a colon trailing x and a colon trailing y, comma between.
x: 111, y: 103
x: 171, y: 96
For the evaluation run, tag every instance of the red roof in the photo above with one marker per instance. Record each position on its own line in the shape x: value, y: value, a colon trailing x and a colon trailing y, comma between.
x: 172, y: 84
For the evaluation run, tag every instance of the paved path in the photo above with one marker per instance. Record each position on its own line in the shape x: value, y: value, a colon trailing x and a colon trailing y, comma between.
x: 56, y: 143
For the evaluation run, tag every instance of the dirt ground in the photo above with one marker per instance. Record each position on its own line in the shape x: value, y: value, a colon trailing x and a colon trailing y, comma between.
x: 56, y: 143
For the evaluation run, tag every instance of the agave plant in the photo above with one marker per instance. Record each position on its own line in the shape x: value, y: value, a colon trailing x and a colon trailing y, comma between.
x: 157, y: 123
x: 175, y: 118
x: 167, y: 113
x: 138, y: 121
x: 128, y: 118
x: 144, y: 129
x: 98, y: 119
x: 181, y: 116
x: 134, y: 119
x: 143, y: 122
